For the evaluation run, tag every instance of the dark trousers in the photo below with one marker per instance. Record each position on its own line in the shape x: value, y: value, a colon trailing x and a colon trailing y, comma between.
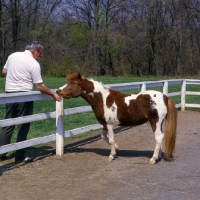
x: 14, y: 110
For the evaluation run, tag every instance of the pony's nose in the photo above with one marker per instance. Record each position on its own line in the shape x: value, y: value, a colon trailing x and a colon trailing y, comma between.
x: 58, y: 91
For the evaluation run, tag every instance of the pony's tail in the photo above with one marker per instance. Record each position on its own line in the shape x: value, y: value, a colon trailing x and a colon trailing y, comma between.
x: 170, y: 130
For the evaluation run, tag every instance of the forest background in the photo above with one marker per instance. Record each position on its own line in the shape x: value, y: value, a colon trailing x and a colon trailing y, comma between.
x: 105, y: 37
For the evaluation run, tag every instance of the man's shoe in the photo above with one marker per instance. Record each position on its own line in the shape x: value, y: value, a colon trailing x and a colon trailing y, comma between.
x: 25, y: 160
x: 3, y: 157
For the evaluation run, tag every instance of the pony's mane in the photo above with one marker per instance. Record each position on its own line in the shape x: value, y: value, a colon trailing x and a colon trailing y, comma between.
x: 98, y: 84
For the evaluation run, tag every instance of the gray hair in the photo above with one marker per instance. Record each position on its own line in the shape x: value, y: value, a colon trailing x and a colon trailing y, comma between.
x: 35, y: 45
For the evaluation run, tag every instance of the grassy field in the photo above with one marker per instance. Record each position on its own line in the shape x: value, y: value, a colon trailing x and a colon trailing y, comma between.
x: 47, y: 127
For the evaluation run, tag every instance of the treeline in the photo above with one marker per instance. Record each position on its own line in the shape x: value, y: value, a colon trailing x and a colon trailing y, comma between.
x: 105, y: 37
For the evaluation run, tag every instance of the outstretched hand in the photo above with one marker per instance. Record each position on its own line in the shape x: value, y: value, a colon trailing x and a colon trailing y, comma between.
x: 56, y: 97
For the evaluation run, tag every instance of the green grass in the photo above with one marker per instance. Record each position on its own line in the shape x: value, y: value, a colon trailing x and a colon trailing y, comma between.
x: 47, y: 127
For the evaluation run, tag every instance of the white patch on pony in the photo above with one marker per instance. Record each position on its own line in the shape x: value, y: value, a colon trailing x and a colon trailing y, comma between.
x: 157, y: 102
x: 99, y: 87
x: 110, y: 114
x: 61, y: 88
x: 129, y: 98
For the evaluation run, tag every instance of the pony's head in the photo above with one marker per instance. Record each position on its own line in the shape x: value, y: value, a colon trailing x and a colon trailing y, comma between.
x: 73, y: 88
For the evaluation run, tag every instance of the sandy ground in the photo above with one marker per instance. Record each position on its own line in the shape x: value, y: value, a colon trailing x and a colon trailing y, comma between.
x: 84, y: 172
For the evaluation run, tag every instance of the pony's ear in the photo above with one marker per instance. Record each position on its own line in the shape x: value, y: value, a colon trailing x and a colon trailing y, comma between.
x: 79, y: 77
x: 73, y: 77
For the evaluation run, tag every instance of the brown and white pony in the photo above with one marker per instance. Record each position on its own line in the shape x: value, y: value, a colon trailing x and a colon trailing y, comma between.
x: 112, y: 108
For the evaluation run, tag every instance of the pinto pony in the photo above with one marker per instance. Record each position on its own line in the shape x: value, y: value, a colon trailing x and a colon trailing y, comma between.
x: 112, y: 108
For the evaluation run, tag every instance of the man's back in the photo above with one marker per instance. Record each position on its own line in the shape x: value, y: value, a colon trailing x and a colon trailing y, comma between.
x: 22, y: 71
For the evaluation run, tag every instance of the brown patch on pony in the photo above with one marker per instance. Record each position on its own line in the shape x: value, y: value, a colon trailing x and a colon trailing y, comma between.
x: 146, y: 106
x: 154, y: 119
x: 87, y: 85
x: 111, y: 98
x: 95, y: 99
x: 139, y: 106
x: 97, y: 106
x: 143, y: 102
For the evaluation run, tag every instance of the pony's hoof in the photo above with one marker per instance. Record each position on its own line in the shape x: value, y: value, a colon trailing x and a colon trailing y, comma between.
x: 152, y: 162
x: 110, y: 158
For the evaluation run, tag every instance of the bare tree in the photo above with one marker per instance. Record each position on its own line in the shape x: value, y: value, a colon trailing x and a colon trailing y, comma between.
x: 113, y: 37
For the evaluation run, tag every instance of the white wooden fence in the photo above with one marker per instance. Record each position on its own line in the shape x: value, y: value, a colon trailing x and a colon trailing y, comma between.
x: 60, y: 112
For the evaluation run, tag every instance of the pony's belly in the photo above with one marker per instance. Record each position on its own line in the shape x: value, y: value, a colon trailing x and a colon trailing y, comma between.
x: 133, y: 123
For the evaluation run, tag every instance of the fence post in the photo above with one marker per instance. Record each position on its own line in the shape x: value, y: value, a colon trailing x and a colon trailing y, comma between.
x: 59, y: 128
x: 183, y: 92
x: 165, y: 88
x: 143, y: 87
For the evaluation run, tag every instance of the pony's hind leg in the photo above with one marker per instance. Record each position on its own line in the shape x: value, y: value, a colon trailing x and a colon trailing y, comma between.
x: 159, y: 136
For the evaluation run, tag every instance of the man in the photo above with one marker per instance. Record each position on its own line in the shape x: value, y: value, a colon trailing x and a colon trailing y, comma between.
x: 22, y: 71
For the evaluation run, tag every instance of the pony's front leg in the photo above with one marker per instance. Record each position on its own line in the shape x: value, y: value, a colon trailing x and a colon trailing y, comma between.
x: 111, y: 142
x: 104, y: 135
x: 112, y: 153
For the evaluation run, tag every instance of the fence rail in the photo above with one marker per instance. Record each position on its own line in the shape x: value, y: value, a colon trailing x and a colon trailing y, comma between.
x: 59, y: 114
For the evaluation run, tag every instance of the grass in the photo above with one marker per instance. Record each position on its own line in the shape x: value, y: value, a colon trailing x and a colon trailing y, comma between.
x: 47, y: 127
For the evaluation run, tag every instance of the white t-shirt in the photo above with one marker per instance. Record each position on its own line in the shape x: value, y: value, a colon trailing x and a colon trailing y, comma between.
x: 22, y: 72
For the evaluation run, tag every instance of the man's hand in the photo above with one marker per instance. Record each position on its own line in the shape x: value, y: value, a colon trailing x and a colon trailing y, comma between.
x: 56, y: 97
x: 4, y: 71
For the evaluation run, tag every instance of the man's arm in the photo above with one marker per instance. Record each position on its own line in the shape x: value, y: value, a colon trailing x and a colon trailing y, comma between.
x: 44, y: 89
x: 4, y: 71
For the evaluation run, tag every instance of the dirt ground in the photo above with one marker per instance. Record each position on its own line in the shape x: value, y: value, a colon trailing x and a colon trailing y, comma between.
x: 84, y: 172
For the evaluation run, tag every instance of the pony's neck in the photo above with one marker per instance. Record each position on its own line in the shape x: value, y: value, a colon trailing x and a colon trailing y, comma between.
x: 93, y: 91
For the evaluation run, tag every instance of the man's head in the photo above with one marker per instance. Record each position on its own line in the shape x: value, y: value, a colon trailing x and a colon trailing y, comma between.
x: 36, y: 49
